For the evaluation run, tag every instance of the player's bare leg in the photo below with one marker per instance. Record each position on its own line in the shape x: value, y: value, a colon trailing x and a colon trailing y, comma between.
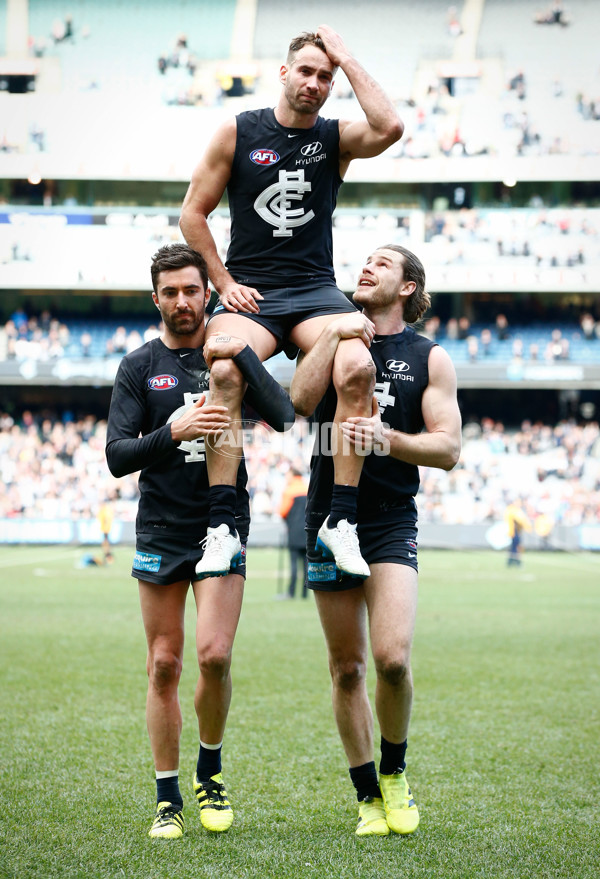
x: 391, y: 593
x: 218, y: 606
x: 163, y: 610
x: 343, y: 618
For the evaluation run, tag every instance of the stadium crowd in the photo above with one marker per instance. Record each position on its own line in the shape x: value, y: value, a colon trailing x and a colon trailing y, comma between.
x: 43, y: 337
x: 55, y: 468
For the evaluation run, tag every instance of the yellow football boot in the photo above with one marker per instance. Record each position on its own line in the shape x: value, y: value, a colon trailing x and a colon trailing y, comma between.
x: 168, y: 823
x: 400, y: 808
x: 371, y: 818
x: 215, y: 811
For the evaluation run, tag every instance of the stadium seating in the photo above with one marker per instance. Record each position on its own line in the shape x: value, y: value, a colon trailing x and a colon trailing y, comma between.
x: 104, y: 111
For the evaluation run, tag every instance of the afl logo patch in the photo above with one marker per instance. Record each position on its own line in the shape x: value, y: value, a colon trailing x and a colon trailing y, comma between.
x: 264, y: 157
x: 162, y: 382
x: 397, y: 365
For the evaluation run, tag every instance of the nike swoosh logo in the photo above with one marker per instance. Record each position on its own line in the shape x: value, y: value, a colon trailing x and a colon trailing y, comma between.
x: 292, y: 135
x: 185, y: 355
x: 376, y: 341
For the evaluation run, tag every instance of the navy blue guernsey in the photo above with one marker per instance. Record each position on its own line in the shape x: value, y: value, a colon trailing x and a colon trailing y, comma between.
x: 402, y: 367
x: 153, y: 385
x: 282, y: 193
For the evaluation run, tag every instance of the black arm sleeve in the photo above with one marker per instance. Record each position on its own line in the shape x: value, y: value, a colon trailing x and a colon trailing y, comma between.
x: 129, y: 455
x: 264, y: 394
x: 126, y: 450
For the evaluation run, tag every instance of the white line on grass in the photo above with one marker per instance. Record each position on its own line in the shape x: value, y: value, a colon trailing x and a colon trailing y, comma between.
x: 21, y: 563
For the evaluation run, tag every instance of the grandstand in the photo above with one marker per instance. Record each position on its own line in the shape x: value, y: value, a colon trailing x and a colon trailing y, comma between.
x: 105, y: 107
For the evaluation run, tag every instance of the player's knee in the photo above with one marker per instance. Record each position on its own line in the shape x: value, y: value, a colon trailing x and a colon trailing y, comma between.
x: 214, y: 660
x: 356, y: 377
x: 224, y: 375
x: 393, y: 671
x: 348, y: 674
x: 164, y: 669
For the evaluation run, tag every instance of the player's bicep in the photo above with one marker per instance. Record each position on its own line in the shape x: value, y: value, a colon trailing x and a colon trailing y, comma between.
x: 439, y: 402
x: 211, y: 174
x: 359, y: 140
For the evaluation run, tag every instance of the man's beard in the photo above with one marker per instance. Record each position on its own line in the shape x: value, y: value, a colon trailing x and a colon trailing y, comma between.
x: 175, y: 327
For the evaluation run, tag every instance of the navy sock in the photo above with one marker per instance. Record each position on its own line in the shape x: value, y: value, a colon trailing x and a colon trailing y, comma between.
x: 221, y: 501
x: 364, y: 779
x: 392, y: 757
x: 344, y: 501
x: 209, y: 762
x: 167, y: 790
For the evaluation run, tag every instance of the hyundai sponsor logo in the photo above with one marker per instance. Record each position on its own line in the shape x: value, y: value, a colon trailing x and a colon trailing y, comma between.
x: 397, y: 365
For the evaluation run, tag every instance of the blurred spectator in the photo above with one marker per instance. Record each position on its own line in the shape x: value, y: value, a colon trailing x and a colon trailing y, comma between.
x: 151, y: 332
x: 134, y: 340
x: 86, y: 344
x: 517, y: 349
x: 19, y: 318
x: 555, y: 14
x: 486, y: 342
x: 502, y: 331
x: 62, y: 30
x: 517, y: 521
x: 119, y: 340
x: 464, y: 327
x: 558, y: 347
x: 452, y: 329
x: 452, y: 22
x: 292, y: 510
x: 517, y: 84
x: 588, y: 326
x: 472, y: 348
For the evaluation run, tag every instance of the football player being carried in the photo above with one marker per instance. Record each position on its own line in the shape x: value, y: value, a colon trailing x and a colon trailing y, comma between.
x: 415, y: 422
x: 282, y: 169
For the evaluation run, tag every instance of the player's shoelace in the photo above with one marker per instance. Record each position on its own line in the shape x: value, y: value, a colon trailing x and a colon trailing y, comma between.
x: 212, y: 794
x: 348, y: 536
x: 207, y: 542
x: 168, y: 815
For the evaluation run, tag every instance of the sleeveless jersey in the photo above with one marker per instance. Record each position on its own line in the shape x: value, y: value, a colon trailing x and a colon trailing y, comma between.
x: 401, y: 361
x: 282, y: 194
x: 153, y: 385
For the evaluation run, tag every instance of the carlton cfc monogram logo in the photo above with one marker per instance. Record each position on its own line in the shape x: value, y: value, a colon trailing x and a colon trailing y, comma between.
x: 274, y: 204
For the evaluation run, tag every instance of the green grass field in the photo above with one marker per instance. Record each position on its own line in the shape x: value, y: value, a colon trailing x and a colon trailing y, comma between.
x: 504, y: 746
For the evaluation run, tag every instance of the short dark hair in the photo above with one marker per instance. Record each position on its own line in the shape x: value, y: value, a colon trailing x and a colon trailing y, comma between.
x: 177, y: 256
x: 306, y: 38
x: 412, y: 268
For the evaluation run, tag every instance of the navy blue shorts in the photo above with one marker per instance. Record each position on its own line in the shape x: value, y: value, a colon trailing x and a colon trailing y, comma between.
x: 283, y: 308
x: 169, y: 558
x: 389, y: 537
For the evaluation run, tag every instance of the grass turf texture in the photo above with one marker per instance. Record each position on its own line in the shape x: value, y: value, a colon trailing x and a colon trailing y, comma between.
x: 504, y: 744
